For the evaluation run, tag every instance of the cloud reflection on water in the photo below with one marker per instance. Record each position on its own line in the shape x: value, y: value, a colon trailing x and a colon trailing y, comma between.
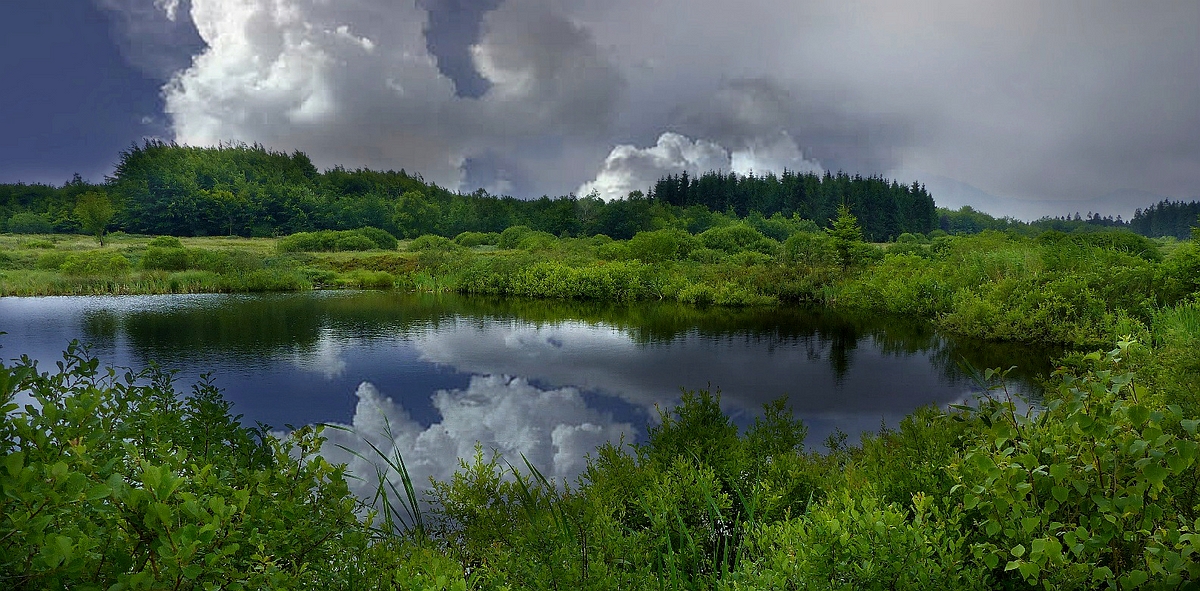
x: 748, y: 371
x: 554, y: 428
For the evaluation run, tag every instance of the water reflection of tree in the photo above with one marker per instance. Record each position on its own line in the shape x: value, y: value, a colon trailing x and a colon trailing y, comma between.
x: 267, y: 326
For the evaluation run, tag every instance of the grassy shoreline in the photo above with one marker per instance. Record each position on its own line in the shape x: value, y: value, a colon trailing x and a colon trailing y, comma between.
x: 1053, y: 289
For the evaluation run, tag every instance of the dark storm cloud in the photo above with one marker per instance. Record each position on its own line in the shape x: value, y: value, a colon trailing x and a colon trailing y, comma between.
x: 155, y: 36
x: 453, y: 27
x: 745, y: 109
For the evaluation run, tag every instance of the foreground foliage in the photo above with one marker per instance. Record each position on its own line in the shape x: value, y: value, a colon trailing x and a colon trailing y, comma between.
x: 112, y: 480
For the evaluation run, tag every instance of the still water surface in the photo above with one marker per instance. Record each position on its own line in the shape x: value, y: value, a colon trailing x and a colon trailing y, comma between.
x: 551, y: 380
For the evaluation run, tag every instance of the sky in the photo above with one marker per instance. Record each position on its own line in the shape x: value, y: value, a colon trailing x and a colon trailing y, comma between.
x: 1017, y: 108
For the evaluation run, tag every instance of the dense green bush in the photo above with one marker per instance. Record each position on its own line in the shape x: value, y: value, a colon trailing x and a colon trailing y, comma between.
x: 736, y: 238
x: 613, y: 250
x: 473, y: 239
x: 337, y: 241
x: 1093, y: 492
x: 429, y: 242
x: 382, y: 238
x: 95, y: 263
x: 511, y: 236
x: 856, y: 541
x: 29, y: 223
x: 165, y: 258
x: 224, y: 261
x: 166, y: 242
x: 1116, y: 240
x: 662, y: 245
x: 809, y: 249
x: 537, y: 241
x: 116, y: 481
x: 51, y: 261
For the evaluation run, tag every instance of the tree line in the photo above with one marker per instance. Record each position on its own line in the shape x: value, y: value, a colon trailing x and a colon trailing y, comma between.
x: 884, y: 208
x: 1166, y: 218
x: 248, y: 190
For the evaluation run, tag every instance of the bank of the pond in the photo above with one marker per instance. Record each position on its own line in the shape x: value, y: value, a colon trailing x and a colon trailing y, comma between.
x: 113, y: 481
x: 1076, y: 290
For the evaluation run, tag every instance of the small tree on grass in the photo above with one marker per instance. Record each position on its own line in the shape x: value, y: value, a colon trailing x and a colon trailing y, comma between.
x: 846, y: 235
x: 94, y: 211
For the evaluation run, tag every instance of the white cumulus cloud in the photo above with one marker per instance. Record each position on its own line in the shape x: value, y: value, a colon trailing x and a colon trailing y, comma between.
x: 629, y: 168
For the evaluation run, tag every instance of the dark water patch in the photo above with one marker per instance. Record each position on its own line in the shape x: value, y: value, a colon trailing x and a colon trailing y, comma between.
x: 547, y: 379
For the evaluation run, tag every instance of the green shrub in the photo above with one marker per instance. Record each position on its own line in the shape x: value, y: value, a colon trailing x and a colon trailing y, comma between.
x: 908, y: 238
x: 38, y: 244
x: 1086, y: 493
x: 909, y: 248
x: 333, y: 241
x: 511, y: 237
x: 537, y: 241
x: 122, y: 483
x: 613, y: 250
x: 351, y: 241
x: 28, y: 222
x: 432, y: 242
x: 662, y: 245
x: 95, y: 263
x: 473, y: 239
x: 809, y: 249
x: 382, y: 238
x: 165, y: 258
x: 856, y: 541
x: 736, y: 238
x: 706, y: 256
x: 749, y: 258
x: 50, y: 261
x: 166, y: 242
x: 223, y: 261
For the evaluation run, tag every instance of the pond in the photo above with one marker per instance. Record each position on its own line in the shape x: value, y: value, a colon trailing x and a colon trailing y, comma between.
x: 547, y: 379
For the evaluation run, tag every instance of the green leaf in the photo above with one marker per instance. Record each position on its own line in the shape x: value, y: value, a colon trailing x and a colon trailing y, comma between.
x: 1190, y: 425
x: 1155, y: 473
x: 1178, y: 464
x: 1134, y: 579
x: 192, y: 571
x: 1030, y: 571
x: 1138, y: 415
x: 1059, y: 471
x: 1060, y: 493
x: 14, y: 462
x: 1018, y: 550
x: 100, y: 491
x: 1030, y: 523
